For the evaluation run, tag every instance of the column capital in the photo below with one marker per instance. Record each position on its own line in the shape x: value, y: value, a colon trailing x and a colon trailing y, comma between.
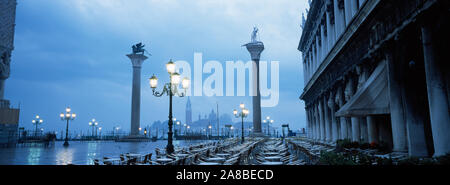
x: 137, y: 59
x: 255, y: 50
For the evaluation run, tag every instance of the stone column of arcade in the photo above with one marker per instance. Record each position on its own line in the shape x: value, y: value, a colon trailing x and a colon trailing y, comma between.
x: 436, y: 88
x: 136, y: 61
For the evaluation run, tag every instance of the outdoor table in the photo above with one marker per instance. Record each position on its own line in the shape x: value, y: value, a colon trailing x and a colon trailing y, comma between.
x: 225, y: 155
x: 216, y: 159
x: 271, y: 154
x: 132, y: 156
x: 181, y: 155
x: 164, y: 160
x: 272, y: 163
x: 208, y: 163
x: 273, y: 158
x: 112, y: 160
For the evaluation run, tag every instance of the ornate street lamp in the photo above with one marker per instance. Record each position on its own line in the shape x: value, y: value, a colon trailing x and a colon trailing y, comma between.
x: 170, y: 89
x: 100, y: 131
x: 67, y: 117
x: 268, y: 121
x: 37, y: 122
x: 210, y: 130
x: 244, y: 113
x: 93, y: 124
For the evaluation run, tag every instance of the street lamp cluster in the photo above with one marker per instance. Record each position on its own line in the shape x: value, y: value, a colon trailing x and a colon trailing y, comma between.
x: 170, y: 89
x: 67, y: 117
x: 37, y: 122
x: 268, y: 121
x: 242, y: 114
x: 94, y: 124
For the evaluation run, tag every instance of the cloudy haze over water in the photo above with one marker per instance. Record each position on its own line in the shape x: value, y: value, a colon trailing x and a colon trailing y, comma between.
x: 72, y: 53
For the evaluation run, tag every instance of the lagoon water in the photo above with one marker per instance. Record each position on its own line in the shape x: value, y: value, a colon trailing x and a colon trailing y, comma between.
x: 79, y: 152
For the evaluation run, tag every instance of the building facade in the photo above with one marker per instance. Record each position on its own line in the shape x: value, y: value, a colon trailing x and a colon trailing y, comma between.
x: 9, y: 117
x: 374, y: 72
x: 188, y: 112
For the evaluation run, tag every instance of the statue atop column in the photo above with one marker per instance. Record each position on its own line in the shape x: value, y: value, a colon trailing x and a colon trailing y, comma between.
x: 139, y: 49
x: 254, y: 35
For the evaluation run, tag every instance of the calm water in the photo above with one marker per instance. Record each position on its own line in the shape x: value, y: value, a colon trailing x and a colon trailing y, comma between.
x: 80, y: 153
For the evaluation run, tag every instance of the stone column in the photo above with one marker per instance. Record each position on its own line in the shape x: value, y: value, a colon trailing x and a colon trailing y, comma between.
x: 334, y: 126
x: 364, y: 132
x: 356, y: 136
x: 318, y: 125
x: 319, y: 53
x: 372, y: 129
x: 339, y: 17
x: 311, y: 68
x: 395, y: 104
x: 437, y: 92
x: 330, y: 24
x: 255, y: 50
x: 324, y: 50
x: 349, y: 127
x: 348, y: 11
x: 136, y: 61
x: 313, y: 121
x: 354, y: 5
x: 361, y: 2
x: 327, y: 120
x: 339, y: 99
x: 308, y: 123
x: 323, y: 134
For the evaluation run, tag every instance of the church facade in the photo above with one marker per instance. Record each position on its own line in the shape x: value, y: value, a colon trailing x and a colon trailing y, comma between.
x: 374, y: 72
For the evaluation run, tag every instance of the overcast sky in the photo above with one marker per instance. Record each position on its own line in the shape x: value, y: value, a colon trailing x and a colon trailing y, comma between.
x: 72, y: 53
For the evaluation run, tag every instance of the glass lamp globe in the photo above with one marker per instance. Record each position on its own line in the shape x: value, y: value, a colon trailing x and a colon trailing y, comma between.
x: 185, y: 83
x: 153, y: 81
x: 175, y: 79
x: 170, y: 66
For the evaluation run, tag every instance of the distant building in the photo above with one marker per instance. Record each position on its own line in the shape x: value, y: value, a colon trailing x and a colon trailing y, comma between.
x: 9, y: 117
x: 377, y: 71
x: 188, y: 112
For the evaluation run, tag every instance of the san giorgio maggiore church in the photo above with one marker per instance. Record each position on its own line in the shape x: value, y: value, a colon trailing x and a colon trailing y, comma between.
x: 375, y: 72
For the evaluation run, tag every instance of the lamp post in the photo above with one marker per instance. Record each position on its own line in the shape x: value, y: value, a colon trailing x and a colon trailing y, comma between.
x: 100, y: 131
x: 170, y: 89
x: 37, y: 122
x: 210, y: 130
x: 145, y: 132
x: 268, y: 121
x: 67, y: 117
x: 179, y: 127
x: 244, y: 113
x: 93, y: 124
